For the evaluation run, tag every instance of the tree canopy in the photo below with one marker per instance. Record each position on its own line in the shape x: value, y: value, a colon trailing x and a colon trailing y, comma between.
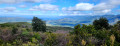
x: 38, y: 24
x: 101, y: 23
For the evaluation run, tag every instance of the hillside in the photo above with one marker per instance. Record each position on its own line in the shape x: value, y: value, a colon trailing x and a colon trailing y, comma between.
x: 74, y: 20
x: 14, y: 19
x: 22, y: 34
x: 28, y: 25
x: 65, y: 21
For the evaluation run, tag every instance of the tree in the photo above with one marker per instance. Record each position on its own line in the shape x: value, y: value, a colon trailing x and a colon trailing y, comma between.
x: 38, y: 24
x: 77, y: 29
x: 101, y: 23
x: 14, y: 30
x: 117, y: 26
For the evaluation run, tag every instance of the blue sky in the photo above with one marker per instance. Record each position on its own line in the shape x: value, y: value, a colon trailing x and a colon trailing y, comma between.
x: 59, y: 7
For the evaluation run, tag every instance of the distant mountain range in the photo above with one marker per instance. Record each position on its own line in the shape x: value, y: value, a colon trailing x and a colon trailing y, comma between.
x: 63, y: 20
x: 14, y: 19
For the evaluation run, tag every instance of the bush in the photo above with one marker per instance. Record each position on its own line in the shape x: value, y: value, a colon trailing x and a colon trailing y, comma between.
x: 30, y: 44
x: 37, y: 36
x: 51, y: 40
x: 25, y: 32
x: 14, y: 30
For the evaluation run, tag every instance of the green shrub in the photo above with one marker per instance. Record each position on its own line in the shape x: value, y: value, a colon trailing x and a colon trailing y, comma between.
x: 37, y: 36
x: 25, y: 32
x: 30, y: 44
x: 8, y: 44
x: 51, y: 40
x: 34, y: 40
x: 14, y: 30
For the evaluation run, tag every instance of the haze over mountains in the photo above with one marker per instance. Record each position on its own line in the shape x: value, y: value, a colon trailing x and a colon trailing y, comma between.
x: 61, y: 20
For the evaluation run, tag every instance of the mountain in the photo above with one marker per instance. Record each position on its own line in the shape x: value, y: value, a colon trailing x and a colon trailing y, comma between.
x: 13, y: 19
x: 69, y: 21
x: 74, y: 20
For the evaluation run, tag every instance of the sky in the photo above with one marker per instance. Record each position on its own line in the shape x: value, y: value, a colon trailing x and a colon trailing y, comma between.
x: 59, y: 7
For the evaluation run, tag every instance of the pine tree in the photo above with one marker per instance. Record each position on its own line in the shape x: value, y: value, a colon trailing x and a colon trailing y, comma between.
x: 38, y: 24
x: 101, y: 23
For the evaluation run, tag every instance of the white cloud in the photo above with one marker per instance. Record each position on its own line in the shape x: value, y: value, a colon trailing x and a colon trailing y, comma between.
x: 110, y: 4
x: 8, y: 9
x: 101, y: 8
x: 89, y: 7
x: 80, y: 7
x: 102, y: 12
x: 8, y: 1
x: 44, y: 7
x: 105, y: 7
x: 73, y: 13
x: 106, y: 11
x: 22, y: 6
x: 80, y: 14
x: 19, y: 1
x: 114, y: 2
x: 84, y: 6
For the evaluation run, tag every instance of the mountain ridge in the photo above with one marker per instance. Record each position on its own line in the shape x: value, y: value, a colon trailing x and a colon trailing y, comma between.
x: 63, y: 20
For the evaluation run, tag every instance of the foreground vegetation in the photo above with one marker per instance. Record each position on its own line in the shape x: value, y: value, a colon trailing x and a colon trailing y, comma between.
x: 23, y: 34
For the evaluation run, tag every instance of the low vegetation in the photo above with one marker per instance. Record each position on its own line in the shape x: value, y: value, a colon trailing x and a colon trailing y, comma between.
x: 100, y: 33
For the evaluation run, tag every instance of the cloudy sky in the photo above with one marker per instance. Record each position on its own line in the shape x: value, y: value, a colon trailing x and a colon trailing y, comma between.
x: 59, y: 7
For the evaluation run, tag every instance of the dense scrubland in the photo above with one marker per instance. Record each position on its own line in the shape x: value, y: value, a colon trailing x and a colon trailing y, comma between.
x: 100, y: 33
